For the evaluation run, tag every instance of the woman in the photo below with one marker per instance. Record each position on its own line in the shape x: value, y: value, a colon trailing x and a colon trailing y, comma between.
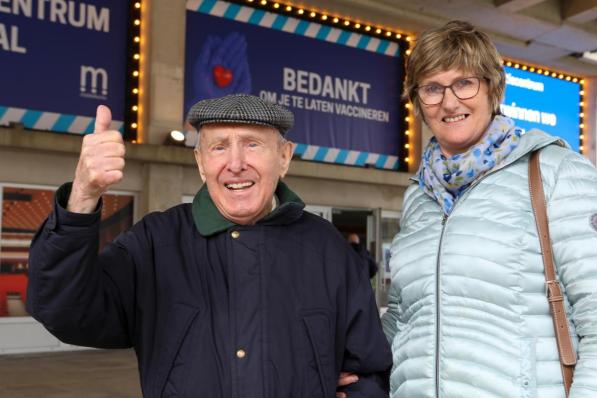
x: 468, y: 315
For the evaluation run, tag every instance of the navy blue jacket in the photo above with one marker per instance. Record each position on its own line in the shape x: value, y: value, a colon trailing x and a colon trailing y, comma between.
x: 271, y: 310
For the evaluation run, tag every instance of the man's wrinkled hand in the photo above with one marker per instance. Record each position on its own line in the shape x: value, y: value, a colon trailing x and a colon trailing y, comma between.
x: 101, y: 164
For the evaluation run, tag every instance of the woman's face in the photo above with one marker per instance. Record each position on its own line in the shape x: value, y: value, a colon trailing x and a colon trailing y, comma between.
x: 456, y: 124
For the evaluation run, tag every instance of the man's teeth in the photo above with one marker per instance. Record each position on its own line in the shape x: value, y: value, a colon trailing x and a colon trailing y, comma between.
x: 239, y: 185
x: 454, y: 118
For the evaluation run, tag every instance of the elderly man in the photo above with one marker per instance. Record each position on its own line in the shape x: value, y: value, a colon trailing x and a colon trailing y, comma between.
x: 241, y: 294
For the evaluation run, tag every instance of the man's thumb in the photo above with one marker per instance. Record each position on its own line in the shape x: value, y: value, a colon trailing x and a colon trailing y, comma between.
x: 103, y: 118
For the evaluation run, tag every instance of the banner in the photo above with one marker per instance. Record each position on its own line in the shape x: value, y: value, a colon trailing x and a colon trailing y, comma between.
x: 343, y: 87
x: 543, y: 102
x: 60, y: 59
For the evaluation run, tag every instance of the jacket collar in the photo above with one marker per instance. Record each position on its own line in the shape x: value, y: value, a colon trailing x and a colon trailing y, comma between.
x: 209, y: 221
x: 530, y: 141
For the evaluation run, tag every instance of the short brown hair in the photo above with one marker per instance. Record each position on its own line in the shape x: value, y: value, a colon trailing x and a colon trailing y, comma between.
x: 459, y: 45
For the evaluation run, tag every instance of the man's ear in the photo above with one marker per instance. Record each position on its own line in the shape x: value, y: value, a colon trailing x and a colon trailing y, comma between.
x: 286, y: 151
x: 198, y: 159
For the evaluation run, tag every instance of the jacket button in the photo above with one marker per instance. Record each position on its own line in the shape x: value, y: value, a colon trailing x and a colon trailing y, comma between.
x: 240, y: 354
x: 235, y: 234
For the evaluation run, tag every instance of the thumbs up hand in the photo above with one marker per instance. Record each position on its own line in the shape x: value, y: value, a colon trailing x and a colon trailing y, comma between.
x: 101, y: 164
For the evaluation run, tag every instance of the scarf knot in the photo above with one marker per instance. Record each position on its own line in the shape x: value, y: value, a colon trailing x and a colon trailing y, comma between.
x: 446, y: 178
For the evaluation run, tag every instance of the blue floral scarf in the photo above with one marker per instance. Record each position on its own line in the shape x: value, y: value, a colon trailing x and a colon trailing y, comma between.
x: 445, y: 179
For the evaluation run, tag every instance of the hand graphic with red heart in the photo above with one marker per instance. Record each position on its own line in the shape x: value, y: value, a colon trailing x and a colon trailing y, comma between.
x: 221, y: 69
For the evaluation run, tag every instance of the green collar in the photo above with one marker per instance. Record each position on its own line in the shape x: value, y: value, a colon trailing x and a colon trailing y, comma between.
x: 209, y: 221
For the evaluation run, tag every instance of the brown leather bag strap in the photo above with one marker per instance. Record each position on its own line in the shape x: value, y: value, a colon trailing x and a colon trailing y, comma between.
x: 553, y: 288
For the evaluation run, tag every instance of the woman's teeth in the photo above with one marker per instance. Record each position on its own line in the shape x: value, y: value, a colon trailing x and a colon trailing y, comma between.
x: 454, y: 118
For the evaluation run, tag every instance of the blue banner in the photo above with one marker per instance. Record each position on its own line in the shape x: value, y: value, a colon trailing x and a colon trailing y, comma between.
x: 543, y: 102
x: 343, y: 87
x: 59, y: 59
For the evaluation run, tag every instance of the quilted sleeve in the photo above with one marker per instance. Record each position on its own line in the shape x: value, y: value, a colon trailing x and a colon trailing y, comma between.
x: 572, y: 210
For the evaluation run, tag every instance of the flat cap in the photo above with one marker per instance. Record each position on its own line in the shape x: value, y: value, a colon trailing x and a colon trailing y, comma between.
x: 243, y: 109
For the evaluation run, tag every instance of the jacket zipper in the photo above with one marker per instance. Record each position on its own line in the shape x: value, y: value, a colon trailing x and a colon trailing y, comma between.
x: 437, y: 272
x: 437, y: 276
x: 437, y: 305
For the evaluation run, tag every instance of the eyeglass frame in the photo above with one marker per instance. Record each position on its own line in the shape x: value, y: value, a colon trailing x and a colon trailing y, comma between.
x: 479, y: 79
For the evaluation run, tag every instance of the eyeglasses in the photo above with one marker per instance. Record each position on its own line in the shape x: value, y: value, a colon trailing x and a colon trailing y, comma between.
x: 463, y: 89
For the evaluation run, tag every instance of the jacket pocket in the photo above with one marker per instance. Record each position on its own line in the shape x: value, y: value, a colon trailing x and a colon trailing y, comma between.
x: 320, y: 362
x: 171, y: 335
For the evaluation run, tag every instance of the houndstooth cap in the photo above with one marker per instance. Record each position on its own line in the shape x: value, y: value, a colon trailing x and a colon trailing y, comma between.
x: 240, y: 108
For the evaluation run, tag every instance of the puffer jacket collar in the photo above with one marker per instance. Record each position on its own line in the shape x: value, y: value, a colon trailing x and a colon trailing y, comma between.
x: 529, y: 142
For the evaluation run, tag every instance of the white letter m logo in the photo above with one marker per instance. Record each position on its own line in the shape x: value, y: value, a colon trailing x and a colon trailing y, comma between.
x: 98, y: 77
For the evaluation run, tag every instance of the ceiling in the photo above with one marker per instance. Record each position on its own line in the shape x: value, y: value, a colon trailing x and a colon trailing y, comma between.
x: 548, y: 33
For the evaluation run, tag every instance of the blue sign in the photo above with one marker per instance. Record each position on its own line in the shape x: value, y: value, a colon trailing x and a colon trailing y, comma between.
x: 543, y: 102
x: 343, y: 88
x: 59, y: 60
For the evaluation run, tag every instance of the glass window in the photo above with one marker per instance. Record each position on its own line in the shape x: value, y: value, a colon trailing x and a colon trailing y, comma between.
x: 390, y: 226
x: 23, y: 211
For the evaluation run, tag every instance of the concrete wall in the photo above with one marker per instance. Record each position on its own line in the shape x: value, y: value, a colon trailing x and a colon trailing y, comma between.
x: 160, y: 175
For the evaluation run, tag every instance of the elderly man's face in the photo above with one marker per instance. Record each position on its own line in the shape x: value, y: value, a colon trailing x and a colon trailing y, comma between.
x: 241, y: 165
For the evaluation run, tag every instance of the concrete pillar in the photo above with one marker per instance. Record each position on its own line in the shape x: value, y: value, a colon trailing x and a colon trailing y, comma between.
x: 590, y: 120
x: 162, y: 80
x: 162, y: 187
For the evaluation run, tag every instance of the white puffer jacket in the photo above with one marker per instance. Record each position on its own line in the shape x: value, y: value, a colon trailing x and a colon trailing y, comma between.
x: 468, y: 315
